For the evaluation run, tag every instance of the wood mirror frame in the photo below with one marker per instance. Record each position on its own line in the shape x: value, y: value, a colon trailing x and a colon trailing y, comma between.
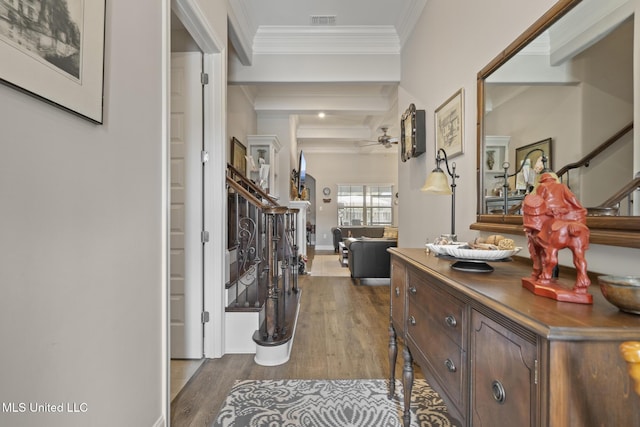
x: 614, y: 231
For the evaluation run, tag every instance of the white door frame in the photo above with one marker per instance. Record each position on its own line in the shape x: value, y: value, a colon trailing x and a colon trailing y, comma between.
x: 215, y: 203
x: 213, y: 46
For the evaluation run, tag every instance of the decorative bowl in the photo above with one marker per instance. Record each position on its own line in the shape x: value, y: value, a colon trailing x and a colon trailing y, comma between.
x: 622, y: 291
x: 460, y: 250
x: 442, y: 249
x: 479, y: 254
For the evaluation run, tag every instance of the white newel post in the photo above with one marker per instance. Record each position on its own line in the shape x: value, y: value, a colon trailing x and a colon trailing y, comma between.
x: 301, y: 224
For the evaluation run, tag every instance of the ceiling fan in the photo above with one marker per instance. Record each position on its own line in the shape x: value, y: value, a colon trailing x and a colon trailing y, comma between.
x: 385, y: 140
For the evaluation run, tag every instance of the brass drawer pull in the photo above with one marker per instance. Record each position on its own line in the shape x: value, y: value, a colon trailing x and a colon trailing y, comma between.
x: 451, y: 321
x: 499, y: 394
x: 397, y: 292
x: 413, y: 290
x: 412, y: 320
x: 451, y: 367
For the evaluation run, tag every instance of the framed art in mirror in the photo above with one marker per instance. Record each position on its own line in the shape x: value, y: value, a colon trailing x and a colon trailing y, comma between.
x: 412, y: 133
x: 62, y: 67
x: 449, y: 123
x: 535, y: 158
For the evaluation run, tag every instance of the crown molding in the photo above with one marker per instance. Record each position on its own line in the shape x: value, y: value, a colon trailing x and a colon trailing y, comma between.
x: 586, y: 25
x: 240, y: 41
x: 248, y: 93
x: 333, y: 149
x: 408, y: 19
x: 307, y: 40
x: 346, y: 133
x: 196, y: 23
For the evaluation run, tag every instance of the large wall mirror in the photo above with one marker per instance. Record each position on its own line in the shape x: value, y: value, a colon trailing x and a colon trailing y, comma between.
x: 564, y: 87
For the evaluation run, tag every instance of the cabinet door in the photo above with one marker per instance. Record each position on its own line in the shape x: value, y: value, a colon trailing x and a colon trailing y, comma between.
x: 503, y: 375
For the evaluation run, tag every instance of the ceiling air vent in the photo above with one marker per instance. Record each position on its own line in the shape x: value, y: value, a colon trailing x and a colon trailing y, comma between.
x: 323, y: 19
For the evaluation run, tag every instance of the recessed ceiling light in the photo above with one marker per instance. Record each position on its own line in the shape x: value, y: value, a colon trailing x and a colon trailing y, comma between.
x: 321, y: 115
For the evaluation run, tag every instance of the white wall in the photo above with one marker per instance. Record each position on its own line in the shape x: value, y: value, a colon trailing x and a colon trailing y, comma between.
x: 82, y: 240
x: 607, y: 73
x: 241, y: 117
x: 538, y: 113
x: 475, y: 32
x: 332, y: 169
x: 280, y: 126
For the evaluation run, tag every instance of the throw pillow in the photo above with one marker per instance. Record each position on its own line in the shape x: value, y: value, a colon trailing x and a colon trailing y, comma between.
x: 390, y: 232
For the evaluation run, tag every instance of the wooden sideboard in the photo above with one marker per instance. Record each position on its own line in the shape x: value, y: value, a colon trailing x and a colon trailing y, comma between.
x: 499, y: 355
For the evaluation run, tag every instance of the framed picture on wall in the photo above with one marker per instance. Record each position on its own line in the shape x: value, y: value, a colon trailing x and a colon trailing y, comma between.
x: 238, y: 155
x: 449, y: 124
x: 56, y: 55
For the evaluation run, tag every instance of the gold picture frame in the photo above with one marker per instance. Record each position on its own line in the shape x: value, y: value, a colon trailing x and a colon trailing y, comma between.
x: 449, y: 125
x: 238, y: 155
x: 544, y: 145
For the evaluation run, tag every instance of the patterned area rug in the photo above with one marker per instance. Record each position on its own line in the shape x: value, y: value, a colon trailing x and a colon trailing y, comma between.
x: 328, y: 403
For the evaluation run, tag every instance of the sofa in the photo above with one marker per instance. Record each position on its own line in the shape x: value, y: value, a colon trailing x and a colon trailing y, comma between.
x: 345, y: 232
x: 368, y: 258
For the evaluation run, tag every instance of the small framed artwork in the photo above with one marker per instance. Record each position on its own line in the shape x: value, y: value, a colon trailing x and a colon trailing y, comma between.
x: 412, y: 137
x: 535, y: 152
x: 449, y: 124
x: 238, y: 155
x: 56, y: 55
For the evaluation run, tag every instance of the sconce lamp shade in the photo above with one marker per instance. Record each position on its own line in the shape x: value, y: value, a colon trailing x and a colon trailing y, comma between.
x: 437, y: 183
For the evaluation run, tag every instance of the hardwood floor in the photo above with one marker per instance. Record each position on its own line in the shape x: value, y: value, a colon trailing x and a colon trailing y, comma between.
x: 342, y: 333
x: 181, y: 371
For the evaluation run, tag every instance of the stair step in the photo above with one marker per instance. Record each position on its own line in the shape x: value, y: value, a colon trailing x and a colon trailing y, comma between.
x: 246, y: 299
x: 288, y: 308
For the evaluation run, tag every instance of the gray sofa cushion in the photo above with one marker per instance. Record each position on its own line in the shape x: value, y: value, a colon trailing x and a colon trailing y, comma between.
x: 341, y: 233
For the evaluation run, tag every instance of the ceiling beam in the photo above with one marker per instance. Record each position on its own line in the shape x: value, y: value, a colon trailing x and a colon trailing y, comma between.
x: 376, y: 39
x: 327, y: 68
x: 353, y: 133
x: 329, y: 104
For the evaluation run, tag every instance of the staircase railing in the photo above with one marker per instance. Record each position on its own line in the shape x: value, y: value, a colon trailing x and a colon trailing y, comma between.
x: 624, y: 192
x: 237, y: 176
x: 263, y: 234
x: 585, y: 161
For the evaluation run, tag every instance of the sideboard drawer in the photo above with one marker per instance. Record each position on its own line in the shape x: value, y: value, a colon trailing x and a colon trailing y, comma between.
x: 440, y: 308
x: 444, y: 357
x: 398, y: 294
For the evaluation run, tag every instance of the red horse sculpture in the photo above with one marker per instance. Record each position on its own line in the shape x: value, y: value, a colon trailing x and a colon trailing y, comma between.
x: 554, y: 219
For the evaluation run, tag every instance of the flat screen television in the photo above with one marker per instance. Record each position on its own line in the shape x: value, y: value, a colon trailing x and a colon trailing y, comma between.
x: 302, y: 172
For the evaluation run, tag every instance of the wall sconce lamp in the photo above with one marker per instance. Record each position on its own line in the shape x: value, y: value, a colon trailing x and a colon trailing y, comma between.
x: 506, y: 176
x: 438, y: 183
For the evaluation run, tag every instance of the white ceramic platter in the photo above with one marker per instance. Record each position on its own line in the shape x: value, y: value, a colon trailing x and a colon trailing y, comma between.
x: 478, y: 254
x: 442, y: 249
